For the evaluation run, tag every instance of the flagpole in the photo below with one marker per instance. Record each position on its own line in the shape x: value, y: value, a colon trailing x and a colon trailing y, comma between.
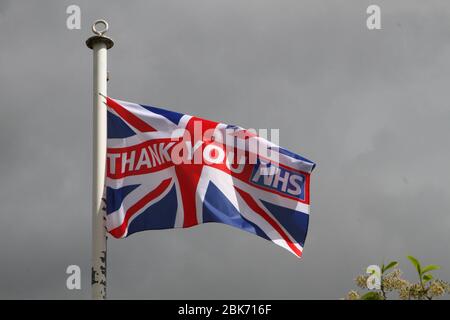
x: 99, y: 45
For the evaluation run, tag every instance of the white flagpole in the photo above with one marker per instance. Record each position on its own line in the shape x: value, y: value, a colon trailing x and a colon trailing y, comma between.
x: 99, y: 44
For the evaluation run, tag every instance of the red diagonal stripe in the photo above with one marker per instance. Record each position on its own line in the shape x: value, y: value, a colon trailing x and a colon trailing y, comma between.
x: 129, y: 117
x: 255, y: 207
x: 120, y: 230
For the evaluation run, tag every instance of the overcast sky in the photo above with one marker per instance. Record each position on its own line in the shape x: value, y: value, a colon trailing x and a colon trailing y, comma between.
x: 371, y: 108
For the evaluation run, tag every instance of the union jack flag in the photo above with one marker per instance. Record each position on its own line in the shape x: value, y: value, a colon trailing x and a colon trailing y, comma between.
x: 170, y: 170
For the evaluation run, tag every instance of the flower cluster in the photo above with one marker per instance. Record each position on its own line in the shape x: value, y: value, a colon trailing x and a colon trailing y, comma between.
x: 389, y: 282
x: 352, y: 295
x: 393, y: 282
x: 361, y: 281
x: 434, y: 289
x: 416, y: 291
x: 404, y: 293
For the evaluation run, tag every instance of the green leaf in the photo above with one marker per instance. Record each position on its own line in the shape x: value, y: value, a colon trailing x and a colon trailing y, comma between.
x: 391, y: 264
x: 371, y: 296
x: 427, y: 277
x: 415, y: 263
x: 430, y: 267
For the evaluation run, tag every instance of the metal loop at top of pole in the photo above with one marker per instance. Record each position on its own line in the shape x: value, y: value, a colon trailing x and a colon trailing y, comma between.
x: 100, y: 27
x: 97, y: 24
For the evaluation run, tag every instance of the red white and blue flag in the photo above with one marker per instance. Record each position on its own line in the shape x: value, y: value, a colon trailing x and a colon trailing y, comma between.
x: 170, y: 170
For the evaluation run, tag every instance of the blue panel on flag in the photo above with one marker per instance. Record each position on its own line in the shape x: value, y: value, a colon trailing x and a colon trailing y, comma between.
x: 117, y: 128
x: 293, y: 155
x: 114, y: 197
x: 295, y: 222
x: 217, y: 208
x: 171, y: 115
x: 160, y: 215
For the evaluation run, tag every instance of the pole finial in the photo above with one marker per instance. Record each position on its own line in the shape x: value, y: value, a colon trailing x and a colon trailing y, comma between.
x: 102, y: 24
x: 100, y: 27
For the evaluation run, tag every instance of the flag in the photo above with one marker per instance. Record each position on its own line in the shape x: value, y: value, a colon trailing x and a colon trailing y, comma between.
x: 169, y: 170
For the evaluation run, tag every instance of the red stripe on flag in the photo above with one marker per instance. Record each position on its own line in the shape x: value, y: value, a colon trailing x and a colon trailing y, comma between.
x: 255, y: 207
x: 188, y: 174
x: 119, y: 232
x: 129, y: 117
x: 188, y: 177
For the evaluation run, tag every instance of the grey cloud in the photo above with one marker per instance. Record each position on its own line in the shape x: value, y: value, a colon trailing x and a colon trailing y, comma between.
x: 370, y: 107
